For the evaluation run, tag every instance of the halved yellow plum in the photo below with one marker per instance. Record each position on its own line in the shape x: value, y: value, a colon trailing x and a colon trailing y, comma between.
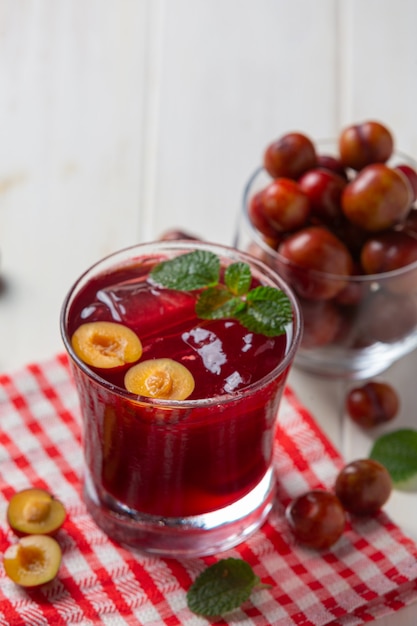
x: 106, y: 345
x: 34, y: 560
x: 164, y: 379
x: 35, y: 512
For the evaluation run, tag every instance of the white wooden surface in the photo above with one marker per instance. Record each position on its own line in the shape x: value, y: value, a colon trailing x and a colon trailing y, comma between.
x: 120, y: 119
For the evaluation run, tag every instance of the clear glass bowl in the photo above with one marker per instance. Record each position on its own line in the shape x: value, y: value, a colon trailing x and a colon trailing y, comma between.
x: 361, y: 331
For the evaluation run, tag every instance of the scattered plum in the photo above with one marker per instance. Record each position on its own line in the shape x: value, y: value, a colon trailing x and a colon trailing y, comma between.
x: 290, y: 156
x: 411, y: 174
x: 352, y: 235
x: 284, y: 205
x: 35, y: 511
x: 316, y: 248
x: 160, y: 378
x: 34, y: 560
x: 377, y: 198
x: 258, y: 218
x: 372, y: 403
x: 388, y: 251
x: 316, y: 518
x: 332, y: 163
x: 106, y: 344
x: 322, y: 323
x: 363, y: 486
x: 365, y: 143
x: 324, y: 190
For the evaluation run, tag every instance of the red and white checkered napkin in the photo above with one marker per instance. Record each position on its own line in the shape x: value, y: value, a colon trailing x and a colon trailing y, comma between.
x: 371, y: 571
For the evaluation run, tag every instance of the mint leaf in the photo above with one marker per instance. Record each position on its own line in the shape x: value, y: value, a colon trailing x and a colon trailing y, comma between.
x: 397, y: 450
x: 238, y: 278
x: 187, y: 272
x: 265, y: 310
x: 221, y: 587
x: 268, y: 311
x: 217, y: 303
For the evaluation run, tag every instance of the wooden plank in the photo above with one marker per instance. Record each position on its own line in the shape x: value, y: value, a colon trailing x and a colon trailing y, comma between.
x: 379, y: 65
x: 124, y: 119
x: 234, y: 75
x: 72, y: 78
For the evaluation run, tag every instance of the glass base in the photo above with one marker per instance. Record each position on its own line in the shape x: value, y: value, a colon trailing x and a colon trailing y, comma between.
x: 193, y: 536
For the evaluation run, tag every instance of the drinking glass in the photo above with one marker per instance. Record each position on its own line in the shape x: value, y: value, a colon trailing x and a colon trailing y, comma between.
x: 176, y: 477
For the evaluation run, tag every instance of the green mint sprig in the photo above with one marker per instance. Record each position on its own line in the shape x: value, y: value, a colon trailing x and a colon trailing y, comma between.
x: 222, y: 587
x: 187, y: 272
x: 264, y: 309
x: 397, y: 451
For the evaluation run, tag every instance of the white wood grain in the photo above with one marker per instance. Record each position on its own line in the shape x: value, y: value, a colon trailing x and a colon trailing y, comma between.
x: 379, y: 65
x: 234, y: 75
x: 72, y: 112
x: 120, y: 119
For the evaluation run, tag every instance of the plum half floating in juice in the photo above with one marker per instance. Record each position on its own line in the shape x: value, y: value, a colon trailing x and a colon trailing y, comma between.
x: 150, y: 458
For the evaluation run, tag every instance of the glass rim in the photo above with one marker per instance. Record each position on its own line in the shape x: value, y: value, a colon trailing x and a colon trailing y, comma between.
x: 360, y: 278
x: 186, y: 246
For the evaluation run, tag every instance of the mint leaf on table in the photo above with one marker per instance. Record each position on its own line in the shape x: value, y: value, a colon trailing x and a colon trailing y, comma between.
x: 397, y: 451
x: 187, y: 272
x: 222, y: 587
x: 264, y: 309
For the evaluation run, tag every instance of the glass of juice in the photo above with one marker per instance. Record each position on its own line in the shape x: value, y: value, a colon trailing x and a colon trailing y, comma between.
x: 180, y: 364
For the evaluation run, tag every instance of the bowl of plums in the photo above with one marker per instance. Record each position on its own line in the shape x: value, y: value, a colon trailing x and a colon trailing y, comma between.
x: 338, y: 220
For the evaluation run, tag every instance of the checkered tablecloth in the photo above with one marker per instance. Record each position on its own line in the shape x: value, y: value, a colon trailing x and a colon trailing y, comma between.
x: 371, y: 571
